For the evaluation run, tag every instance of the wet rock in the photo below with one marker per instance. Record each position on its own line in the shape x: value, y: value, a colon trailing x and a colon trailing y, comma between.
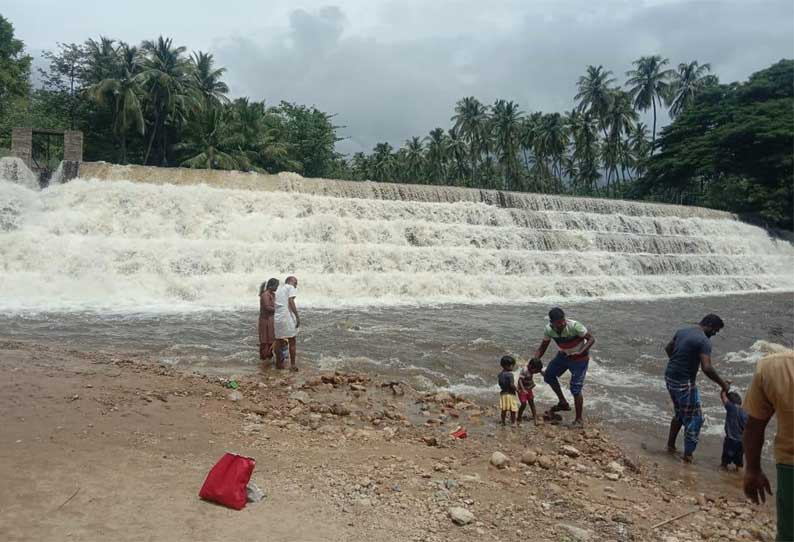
x: 529, y: 457
x: 570, y: 451
x: 460, y: 516
x: 499, y: 460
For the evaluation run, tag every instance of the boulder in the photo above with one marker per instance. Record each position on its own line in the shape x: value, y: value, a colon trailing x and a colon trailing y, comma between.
x: 529, y: 457
x: 460, y: 516
x: 499, y: 460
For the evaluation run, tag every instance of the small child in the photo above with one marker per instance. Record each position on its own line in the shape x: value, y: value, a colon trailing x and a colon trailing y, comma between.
x: 507, y: 389
x: 526, y: 383
x: 735, y: 420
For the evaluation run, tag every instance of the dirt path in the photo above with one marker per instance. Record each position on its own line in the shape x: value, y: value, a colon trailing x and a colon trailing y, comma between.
x: 100, y: 448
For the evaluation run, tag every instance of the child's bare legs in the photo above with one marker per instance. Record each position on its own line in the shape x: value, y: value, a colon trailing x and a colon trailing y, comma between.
x: 504, y: 416
x: 279, y: 358
x: 512, y: 417
x: 521, y: 412
x: 532, y: 409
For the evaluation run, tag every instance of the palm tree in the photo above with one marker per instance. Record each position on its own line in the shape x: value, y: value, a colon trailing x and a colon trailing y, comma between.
x: 640, y: 148
x: 584, y: 158
x: 620, y: 119
x: 210, y: 144
x: 471, y: 119
x: 383, y: 162
x: 648, y: 84
x: 593, y: 94
x: 414, y: 160
x: 551, y: 144
x: 166, y: 74
x: 101, y: 60
x: 506, y: 118
x: 208, y: 79
x: 254, y: 132
x: 688, y: 81
x: 436, y: 156
x: 456, y: 151
x: 124, y: 95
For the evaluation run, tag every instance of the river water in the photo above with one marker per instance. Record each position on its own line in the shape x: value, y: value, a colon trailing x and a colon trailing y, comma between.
x: 428, y: 284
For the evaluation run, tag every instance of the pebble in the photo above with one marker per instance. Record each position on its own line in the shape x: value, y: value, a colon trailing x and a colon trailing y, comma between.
x: 235, y: 396
x: 570, y: 451
x: 577, y: 533
x: 545, y: 462
x: 529, y: 457
x: 300, y: 396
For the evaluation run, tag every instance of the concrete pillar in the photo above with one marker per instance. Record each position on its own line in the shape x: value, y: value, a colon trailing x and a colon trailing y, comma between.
x: 73, y: 146
x: 22, y: 145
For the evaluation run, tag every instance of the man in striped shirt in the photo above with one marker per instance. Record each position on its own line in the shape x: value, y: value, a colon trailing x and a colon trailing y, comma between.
x: 574, y: 343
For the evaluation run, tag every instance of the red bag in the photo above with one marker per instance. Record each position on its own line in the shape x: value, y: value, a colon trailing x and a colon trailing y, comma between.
x: 226, y: 481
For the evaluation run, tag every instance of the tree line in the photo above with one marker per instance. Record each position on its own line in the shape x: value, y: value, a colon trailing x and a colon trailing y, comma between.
x: 728, y: 146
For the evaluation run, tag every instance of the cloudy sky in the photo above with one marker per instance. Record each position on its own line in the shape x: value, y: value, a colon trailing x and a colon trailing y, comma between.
x: 392, y: 69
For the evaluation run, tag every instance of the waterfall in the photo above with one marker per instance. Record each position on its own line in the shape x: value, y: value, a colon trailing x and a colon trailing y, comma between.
x: 104, y: 243
x: 14, y: 170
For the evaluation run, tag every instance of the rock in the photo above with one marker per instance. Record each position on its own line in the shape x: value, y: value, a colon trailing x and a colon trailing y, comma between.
x: 358, y: 387
x: 235, y: 396
x: 620, y: 517
x: 499, y: 460
x: 450, y: 484
x: 545, y: 462
x: 442, y: 397
x: 253, y: 493
x: 701, y: 500
x: 612, y: 476
x: 615, y: 467
x: 570, y: 451
x: 430, y: 441
x: 300, y: 396
x: 577, y: 533
x: 460, y: 516
x: 529, y: 457
x: 340, y: 410
x: 461, y: 405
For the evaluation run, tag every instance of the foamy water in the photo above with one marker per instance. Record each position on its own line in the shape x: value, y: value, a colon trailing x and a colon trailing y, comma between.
x: 124, y: 246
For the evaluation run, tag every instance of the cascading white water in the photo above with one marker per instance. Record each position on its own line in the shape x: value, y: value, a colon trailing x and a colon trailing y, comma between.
x: 91, y: 244
x: 14, y: 170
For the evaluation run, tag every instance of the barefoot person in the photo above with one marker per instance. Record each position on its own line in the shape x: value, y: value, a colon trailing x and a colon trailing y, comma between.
x: 286, y: 321
x: 689, y: 351
x: 267, y: 307
x: 772, y: 392
x: 574, y: 343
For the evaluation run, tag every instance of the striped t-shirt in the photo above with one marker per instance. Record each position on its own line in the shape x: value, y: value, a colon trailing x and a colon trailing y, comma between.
x: 570, y: 340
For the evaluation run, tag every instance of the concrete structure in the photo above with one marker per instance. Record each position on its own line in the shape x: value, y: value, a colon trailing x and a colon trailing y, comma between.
x: 73, y: 146
x: 22, y: 145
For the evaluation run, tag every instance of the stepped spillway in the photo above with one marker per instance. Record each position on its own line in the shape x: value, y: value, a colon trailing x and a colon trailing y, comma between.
x: 134, y: 238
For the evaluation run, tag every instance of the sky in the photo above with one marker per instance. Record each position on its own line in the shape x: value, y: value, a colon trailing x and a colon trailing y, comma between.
x: 392, y: 69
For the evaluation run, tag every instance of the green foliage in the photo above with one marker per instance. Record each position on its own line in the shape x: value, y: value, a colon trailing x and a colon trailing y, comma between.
x: 732, y: 148
x: 729, y: 146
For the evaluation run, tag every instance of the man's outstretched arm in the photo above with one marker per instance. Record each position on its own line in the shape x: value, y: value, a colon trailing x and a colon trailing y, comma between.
x: 542, y: 348
x: 711, y: 372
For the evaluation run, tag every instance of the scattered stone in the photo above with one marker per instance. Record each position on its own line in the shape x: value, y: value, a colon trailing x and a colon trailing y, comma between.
x: 340, y: 410
x: 545, y: 462
x: 612, y: 476
x: 460, y: 516
x: 235, y: 396
x: 358, y: 387
x: 499, y: 460
x: 620, y: 517
x: 430, y: 441
x: 300, y: 396
x: 615, y: 467
x: 570, y: 451
x: 529, y: 457
x: 577, y: 533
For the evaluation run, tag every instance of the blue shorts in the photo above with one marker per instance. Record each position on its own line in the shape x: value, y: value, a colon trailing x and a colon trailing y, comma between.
x: 562, y: 363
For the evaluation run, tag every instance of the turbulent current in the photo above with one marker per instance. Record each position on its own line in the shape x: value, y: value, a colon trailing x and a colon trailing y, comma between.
x: 118, y: 245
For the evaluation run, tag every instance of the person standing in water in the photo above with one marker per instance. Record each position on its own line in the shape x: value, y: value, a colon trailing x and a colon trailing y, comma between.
x: 689, y: 351
x: 574, y: 343
x: 267, y: 308
x: 287, y: 321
